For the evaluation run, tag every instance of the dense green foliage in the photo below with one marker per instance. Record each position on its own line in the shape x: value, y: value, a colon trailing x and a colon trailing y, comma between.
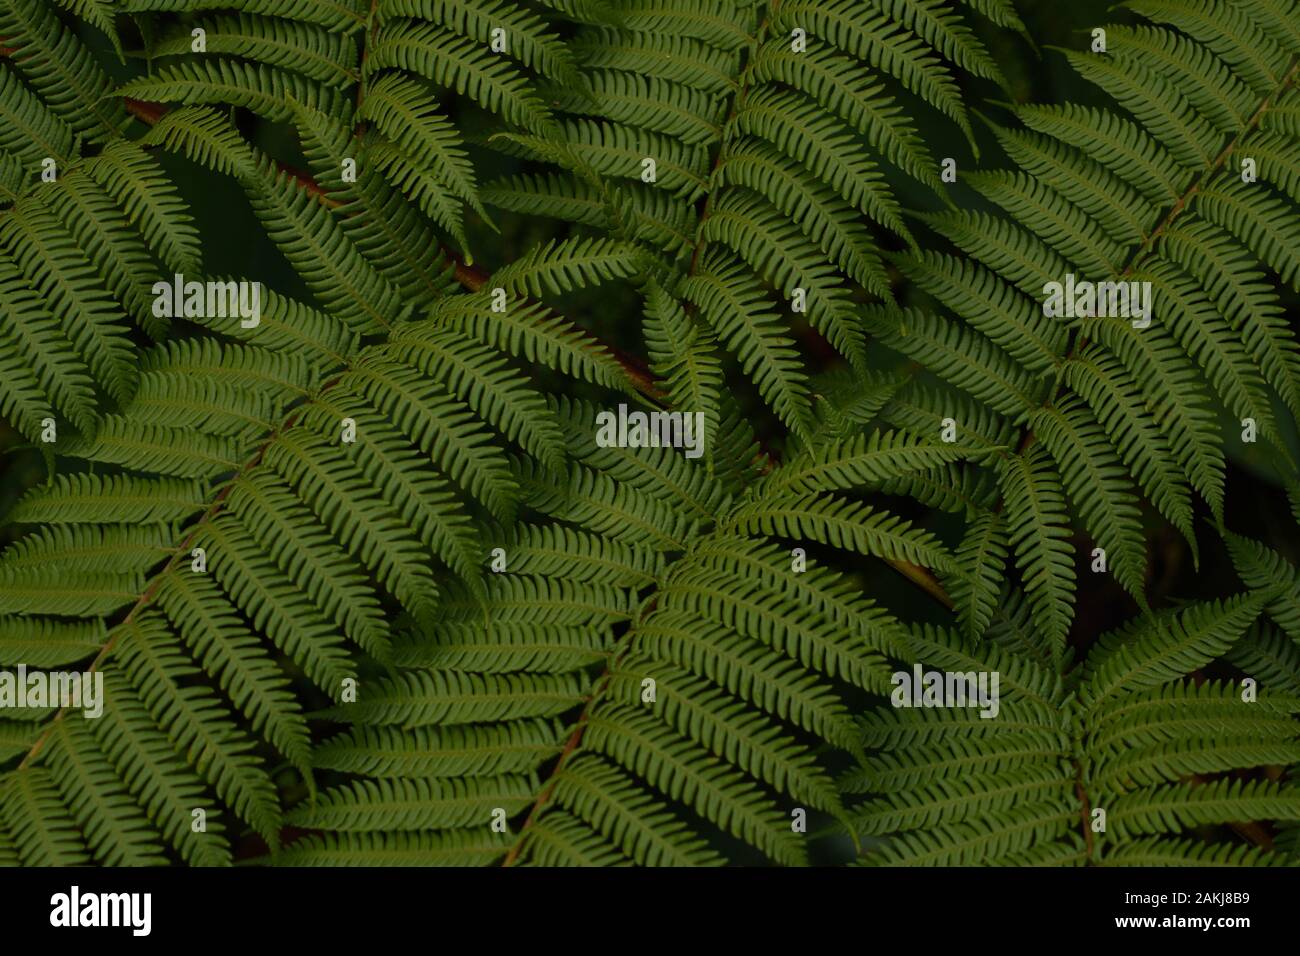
x: 364, y: 583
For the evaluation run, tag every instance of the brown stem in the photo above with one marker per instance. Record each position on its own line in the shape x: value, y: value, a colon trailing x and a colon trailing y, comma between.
x: 149, y: 113
x: 923, y: 578
x: 361, y: 64
x: 570, y: 745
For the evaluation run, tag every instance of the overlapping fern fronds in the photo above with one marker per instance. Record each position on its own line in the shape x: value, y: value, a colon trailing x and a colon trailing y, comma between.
x: 475, y: 634
x: 1151, y: 191
x: 365, y: 85
x: 745, y: 144
x: 650, y: 665
x: 249, y: 529
x: 248, y: 526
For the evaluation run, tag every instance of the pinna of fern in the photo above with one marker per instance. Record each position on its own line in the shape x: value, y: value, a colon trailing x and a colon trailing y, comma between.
x: 85, y: 217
